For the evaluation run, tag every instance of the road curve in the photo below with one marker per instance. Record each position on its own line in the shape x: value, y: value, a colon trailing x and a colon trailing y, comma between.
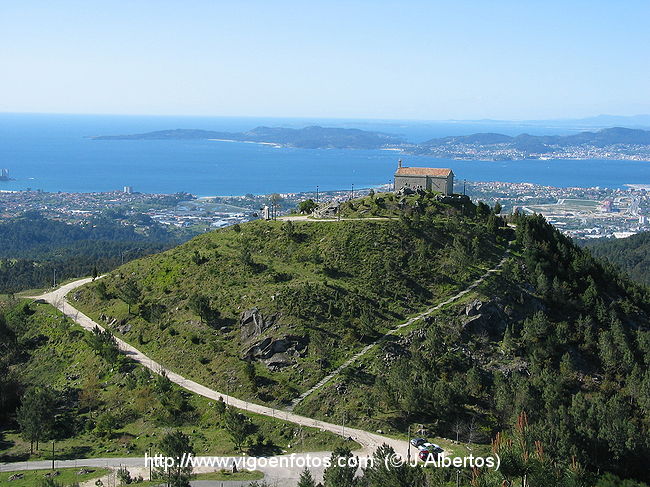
x: 368, y: 441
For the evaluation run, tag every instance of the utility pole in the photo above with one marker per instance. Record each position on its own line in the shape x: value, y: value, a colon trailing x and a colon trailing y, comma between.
x: 54, y: 285
x: 52, y: 454
x: 317, y: 194
x: 408, y: 446
x: 352, y: 192
x: 464, y: 182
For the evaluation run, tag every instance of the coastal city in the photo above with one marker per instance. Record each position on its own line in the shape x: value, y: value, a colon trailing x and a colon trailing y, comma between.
x: 582, y: 213
x: 506, y: 152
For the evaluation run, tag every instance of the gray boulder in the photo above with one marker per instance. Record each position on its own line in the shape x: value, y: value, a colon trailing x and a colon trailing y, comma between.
x: 278, y: 352
x: 253, y: 323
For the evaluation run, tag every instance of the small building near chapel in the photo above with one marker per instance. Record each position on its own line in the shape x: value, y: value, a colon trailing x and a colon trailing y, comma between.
x: 426, y: 178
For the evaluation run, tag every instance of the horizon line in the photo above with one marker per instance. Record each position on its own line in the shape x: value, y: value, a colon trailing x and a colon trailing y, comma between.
x: 420, y: 120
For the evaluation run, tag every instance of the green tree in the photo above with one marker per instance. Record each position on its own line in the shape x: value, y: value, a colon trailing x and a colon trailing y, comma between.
x: 35, y: 415
x: 386, y: 470
x: 251, y: 375
x: 306, y: 479
x: 200, y: 305
x: 106, y: 424
x: 129, y: 291
x: 103, y: 343
x: 307, y: 207
x: 274, y: 202
x: 492, y: 223
x: 238, y: 426
x: 342, y: 469
x: 176, y: 445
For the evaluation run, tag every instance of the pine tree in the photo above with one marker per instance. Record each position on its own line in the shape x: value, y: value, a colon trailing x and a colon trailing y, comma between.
x: 35, y: 415
x: 306, y: 479
x: 174, y: 445
x: 341, y: 471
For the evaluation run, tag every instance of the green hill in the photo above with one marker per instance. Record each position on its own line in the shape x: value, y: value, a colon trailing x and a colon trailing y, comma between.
x: 265, y: 310
x: 557, y: 335
x: 631, y: 254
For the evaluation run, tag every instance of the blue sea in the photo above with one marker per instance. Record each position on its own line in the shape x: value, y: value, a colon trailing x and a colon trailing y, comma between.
x: 54, y: 153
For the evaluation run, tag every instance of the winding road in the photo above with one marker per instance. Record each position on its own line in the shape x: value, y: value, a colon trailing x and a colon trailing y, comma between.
x: 369, y: 441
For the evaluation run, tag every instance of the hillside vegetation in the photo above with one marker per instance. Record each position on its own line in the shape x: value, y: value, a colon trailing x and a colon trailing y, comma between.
x: 32, y: 247
x: 631, y: 254
x: 549, y: 358
x: 265, y: 309
x: 556, y: 335
x: 95, y: 402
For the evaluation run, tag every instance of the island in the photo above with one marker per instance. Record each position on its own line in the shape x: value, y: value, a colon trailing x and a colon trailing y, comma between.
x: 313, y: 137
x: 609, y: 143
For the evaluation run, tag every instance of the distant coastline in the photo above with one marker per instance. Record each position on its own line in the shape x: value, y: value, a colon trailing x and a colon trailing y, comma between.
x: 616, y: 143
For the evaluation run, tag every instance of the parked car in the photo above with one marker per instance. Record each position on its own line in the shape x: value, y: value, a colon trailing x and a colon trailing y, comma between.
x: 416, y: 442
x: 427, y: 455
x: 432, y: 447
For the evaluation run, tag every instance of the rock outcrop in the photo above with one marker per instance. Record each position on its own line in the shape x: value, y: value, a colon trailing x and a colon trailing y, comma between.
x: 485, y: 317
x: 253, y: 323
x: 277, y: 353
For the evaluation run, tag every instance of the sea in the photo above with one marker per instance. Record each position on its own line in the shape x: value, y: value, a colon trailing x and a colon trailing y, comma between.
x: 54, y: 153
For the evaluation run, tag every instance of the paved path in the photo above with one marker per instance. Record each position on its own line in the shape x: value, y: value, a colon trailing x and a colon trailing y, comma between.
x: 309, y: 218
x: 368, y: 441
x: 289, y: 476
x: 408, y: 322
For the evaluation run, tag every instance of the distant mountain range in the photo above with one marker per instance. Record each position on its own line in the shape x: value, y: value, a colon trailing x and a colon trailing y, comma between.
x: 601, y: 138
x: 610, y: 143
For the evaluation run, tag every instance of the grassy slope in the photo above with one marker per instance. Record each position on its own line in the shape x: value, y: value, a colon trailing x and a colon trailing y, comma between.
x: 66, y: 476
x: 337, y: 284
x: 62, y: 359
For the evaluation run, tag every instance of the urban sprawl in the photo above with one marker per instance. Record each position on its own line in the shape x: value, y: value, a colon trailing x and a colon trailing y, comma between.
x: 579, y: 212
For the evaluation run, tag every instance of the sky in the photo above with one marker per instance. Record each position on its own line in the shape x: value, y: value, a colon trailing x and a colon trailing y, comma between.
x: 430, y: 60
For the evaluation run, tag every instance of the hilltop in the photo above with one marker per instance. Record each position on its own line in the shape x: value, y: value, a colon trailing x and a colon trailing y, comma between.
x: 265, y: 310
x: 271, y: 306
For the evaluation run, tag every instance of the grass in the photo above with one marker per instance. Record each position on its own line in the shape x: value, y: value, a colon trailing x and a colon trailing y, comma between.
x: 65, y: 361
x: 219, y: 476
x: 358, y: 384
x: 31, y: 478
x: 335, y: 285
x: 225, y: 475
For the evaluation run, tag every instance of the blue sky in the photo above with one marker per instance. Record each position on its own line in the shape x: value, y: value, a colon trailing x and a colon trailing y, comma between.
x: 347, y: 59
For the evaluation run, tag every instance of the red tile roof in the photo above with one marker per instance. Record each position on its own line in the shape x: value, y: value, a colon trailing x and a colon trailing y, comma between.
x: 423, y: 171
